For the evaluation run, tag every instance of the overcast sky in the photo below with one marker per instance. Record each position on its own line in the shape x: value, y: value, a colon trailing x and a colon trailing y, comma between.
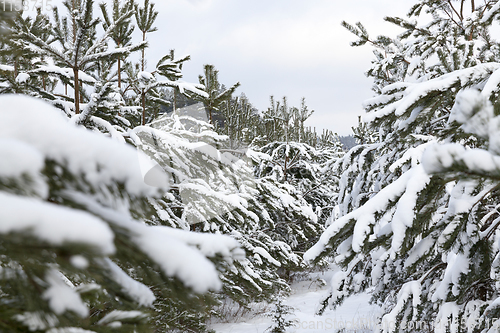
x: 293, y: 48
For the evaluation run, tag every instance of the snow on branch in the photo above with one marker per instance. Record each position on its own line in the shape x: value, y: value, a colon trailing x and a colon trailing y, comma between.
x: 81, y: 151
x: 54, y: 224
x: 61, y: 297
x: 440, y: 158
x: 182, y: 86
x: 171, y: 250
x: 364, y: 217
x: 121, y: 51
x: 415, y: 92
x: 102, y: 42
x: 136, y: 290
x: 490, y: 13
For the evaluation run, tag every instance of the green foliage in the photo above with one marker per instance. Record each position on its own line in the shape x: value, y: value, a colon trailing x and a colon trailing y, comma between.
x: 203, y: 200
x: 71, y: 253
x: 122, y: 34
x: 280, y: 318
x: 216, y: 94
x: 415, y: 209
x: 272, y: 214
x: 240, y: 122
x: 145, y: 17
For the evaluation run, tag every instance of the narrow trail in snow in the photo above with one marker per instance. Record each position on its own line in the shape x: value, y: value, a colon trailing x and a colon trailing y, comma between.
x: 354, y: 315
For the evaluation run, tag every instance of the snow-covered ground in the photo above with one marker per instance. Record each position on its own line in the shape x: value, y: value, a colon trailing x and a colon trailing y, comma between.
x: 355, y: 314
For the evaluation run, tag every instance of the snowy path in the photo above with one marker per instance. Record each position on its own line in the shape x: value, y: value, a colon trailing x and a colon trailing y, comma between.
x: 356, y: 314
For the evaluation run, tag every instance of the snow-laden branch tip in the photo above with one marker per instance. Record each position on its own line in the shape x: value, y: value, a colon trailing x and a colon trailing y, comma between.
x: 416, y: 91
x: 99, y: 159
x: 170, y: 249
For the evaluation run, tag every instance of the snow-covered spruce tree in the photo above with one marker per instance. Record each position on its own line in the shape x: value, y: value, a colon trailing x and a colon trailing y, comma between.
x: 283, y: 123
x: 281, y: 318
x: 79, y: 248
x: 145, y: 17
x: 470, y: 237
x: 75, y: 48
x: 170, y: 67
x: 290, y: 159
x: 273, y: 128
x: 18, y: 59
x: 69, y: 51
x: 423, y: 238
x: 299, y: 117
x: 215, y: 192
x: 292, y: 169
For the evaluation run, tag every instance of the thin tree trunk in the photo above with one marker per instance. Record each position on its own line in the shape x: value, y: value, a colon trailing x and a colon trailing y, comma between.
x: 143, y: 65
x: 143, y: 97
x: 143, y: 93
x: 77, y: 90
x: 119, y: 74
x: 74, y: 20
x: 175, y: 100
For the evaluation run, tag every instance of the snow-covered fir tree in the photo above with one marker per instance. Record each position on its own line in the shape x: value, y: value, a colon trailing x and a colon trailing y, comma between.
x: 165, y: 199
x: 240, y: 122
x: 217, y: 192
x: 81, y: 248
x: 416, y: 216
x: 66, y: 51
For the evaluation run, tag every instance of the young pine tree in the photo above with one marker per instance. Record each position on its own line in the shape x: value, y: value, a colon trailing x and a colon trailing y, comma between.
x: 122, y: 34
x: 416, y: 221
x: 216, y: 94
x: 80, y: 250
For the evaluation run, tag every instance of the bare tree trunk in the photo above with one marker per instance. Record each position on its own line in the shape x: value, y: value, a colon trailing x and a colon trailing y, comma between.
x: 74, y: 20
x: 143, y: 97
x: 143, y: 61
x: 119, y: 74
x: 77, y: 90
x: 175, y: 100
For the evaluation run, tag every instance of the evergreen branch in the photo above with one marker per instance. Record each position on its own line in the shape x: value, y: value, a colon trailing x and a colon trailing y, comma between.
x: 92, y: 106
x: 107, y: 34
x: 225, y: 95
x: 113, y: 54
x: 182, y: 86
x: 43, y: 45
